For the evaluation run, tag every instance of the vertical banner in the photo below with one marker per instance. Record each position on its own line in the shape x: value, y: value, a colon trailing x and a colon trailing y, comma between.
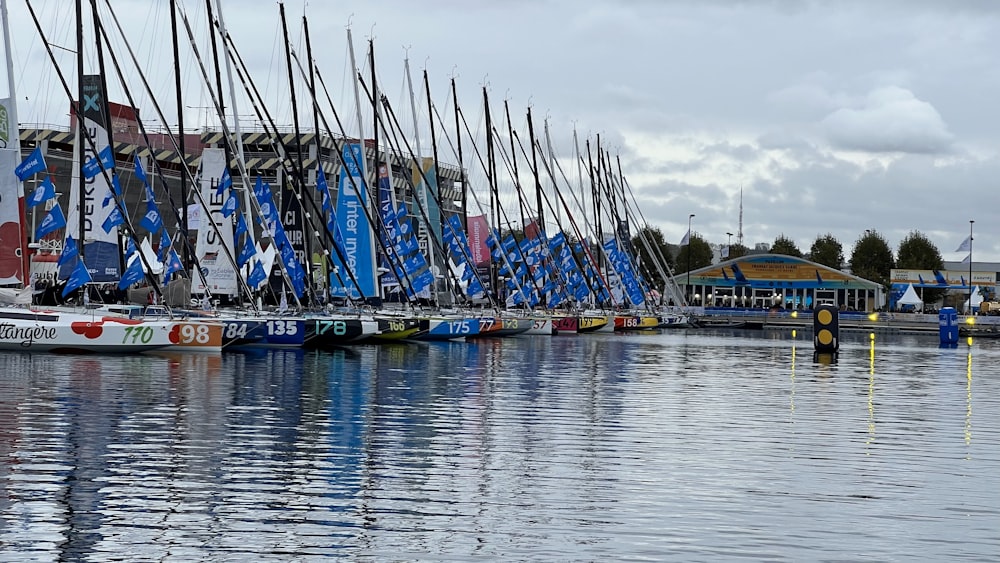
x: 213, y: 242
x: 87, y: 202
x: 479, y: 231
x: 12, y: 237
x: 427, y: 191
x: 358, y: 243
x: 387, y: 214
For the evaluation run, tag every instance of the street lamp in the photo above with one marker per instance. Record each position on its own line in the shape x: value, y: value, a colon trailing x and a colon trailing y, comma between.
x: 729, y: 243
x: 688, y: 284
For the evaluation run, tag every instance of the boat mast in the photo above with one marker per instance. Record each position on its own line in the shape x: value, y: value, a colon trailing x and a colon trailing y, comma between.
x: 182, y: 151
x: 299, y: 191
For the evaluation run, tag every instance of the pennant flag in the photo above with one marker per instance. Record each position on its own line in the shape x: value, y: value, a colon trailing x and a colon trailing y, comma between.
x: 966, y: 245
x: 44, y: 192
x: 151, y: 221
x: 241, y: 226
x: 31, y: 165
x: 139, y: 172
x: 69, y: 252
x: 113, y: 220
x: 116, y: 191
x: 967, y: 259
x: 225, y: 182
x: 231, y: 205
x: 92, y: 167
x: 53, y: 221
x: 77, y: 278
x: 133, y: 274
x: 173, y: 265
x: 257, y: 275
x: 247, y: 252
x: 687, y: 239
x: 130, y: 248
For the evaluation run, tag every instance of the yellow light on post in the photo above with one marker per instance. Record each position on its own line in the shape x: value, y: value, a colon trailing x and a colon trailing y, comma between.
x: 873, y: 317
x: 826, y: 329
x: 970, y: 320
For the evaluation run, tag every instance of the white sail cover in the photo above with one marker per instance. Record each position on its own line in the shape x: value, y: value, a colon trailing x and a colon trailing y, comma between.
x: 11, y: 201
x: 213, y: 243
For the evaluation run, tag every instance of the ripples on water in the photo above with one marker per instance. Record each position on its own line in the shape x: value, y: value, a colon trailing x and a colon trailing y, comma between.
x: 684, y: 446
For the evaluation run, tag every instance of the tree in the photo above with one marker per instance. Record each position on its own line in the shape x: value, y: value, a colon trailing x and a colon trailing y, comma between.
x: 785, y: 245
x: 917, y: 252
x: 872, y: 258
x: 826, y: 250
x: 696, y: 254
x: 647, y: 262
x: 737, y: 251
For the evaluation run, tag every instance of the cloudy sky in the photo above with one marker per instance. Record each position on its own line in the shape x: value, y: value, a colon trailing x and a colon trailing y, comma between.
x: 832, y: 117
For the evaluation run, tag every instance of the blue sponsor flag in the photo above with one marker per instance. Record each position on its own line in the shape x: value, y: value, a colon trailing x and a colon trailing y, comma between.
x: 33, y: 164
x: 115, y: 191
x: 70, y: 251
x: 257, y: 275
x: 173, y: 265
x: 53, y: 221
x: 247, y: 252
x: 321, y: 184
x: 241, y: 226
x: 231, y: 205
x: 133, y: 274
x: 139, y: 172
x: 113, y: 220
x: 44, y: 192
x: 151, y: 221
x: 92, y: 167
x: 225, y: 182
x: 161, y: 253
x: 77, y: 278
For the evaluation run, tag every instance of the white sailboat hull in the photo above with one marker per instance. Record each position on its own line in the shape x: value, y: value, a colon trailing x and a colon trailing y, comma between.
x: 59, y: 331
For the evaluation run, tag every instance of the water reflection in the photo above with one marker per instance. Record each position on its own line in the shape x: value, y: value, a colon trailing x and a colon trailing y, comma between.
x: 678, y: 445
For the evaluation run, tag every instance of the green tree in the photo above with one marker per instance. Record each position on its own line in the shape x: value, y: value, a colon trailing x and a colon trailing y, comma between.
x: 737, y: 251
x: 696, y: 254
x: 785, y: 245
x: 872, y: 258
x: 661, y: 253
x: 827, y: 250
x: 917, y: 252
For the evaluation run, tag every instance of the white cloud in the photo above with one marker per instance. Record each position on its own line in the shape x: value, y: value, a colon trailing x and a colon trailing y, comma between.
x: 890, y: 119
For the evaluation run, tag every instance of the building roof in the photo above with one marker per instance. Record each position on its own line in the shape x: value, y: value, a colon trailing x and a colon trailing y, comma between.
x: 777, y: 271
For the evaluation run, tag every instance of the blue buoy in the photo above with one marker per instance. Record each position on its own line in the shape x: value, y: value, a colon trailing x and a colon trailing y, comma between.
x: 948, y: 325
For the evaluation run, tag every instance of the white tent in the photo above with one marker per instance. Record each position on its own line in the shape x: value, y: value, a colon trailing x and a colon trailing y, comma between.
x: 977, y: 300
x: 910, y: 298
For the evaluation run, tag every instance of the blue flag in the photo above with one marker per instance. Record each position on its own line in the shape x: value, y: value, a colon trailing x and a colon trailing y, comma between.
x: 77, y: 278
x: 44, y: 192
x: 257, y: 275
x: 69, y: 252
x: 116, y: 191
x: 164, y: 244
x: 53, y: 221
x: 225, y: 182
x: 92, y: 167
x: 151, y: 221
x: 173, y: 265
x: 231, y: 205
x: 241, y: 226
x: 247, y: 252
x: 114, y: 219
x: 33, y: 164
x: 133, y: 274
x: 139, y: 172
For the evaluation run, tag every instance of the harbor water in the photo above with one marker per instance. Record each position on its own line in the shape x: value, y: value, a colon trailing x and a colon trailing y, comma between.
x: 677, y: 445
